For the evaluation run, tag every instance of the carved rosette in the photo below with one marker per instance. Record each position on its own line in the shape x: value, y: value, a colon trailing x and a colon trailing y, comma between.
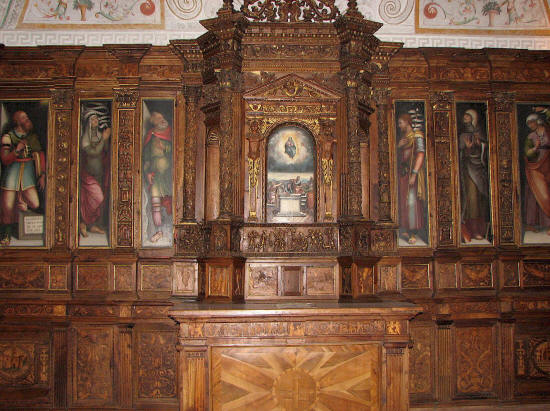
x: 192, y: 96
x: 442, y: 103
x: 504, y: 103
x: 62, y: 103
x: 126, y: 99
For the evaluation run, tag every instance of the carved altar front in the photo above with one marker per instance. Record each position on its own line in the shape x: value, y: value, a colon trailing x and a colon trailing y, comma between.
x: 293, y: 356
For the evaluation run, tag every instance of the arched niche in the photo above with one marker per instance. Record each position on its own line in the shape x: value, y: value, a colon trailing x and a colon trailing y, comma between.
x: 290, y: 175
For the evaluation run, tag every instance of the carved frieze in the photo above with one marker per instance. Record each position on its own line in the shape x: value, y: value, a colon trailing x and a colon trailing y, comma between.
x: 290, y: 51
x: 291, y: 239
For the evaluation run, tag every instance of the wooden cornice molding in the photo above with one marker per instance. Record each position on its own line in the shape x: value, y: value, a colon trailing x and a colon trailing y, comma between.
x: 129, y: 55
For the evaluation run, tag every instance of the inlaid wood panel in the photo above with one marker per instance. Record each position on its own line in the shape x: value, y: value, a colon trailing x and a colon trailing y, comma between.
x: 327, y: 377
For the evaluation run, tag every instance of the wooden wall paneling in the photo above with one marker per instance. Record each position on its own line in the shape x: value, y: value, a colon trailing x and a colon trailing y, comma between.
x: 475, y: 366
x: 155, y: 279
x: 123, y: 365
x: 154, y: 363
x: 444, y: 353
x: 422, y: 362
x: 397, y: 390
x: 506, y: 359
x: 61, y: 362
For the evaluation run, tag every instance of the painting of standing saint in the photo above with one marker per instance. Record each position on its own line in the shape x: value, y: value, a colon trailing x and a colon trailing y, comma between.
x: 290, y: 176
x: 156, y: 194
x: 95, y: 173
x: 23, y: 173
x: 411, y: 168
x: 475, y: 192
x: 534, y: 158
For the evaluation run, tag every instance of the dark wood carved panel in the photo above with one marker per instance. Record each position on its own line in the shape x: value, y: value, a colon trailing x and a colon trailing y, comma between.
x: 476, y: 367
x: 421, y: 362
x: 93, y: 374
x: 20, y: 277
x: 156, y: 365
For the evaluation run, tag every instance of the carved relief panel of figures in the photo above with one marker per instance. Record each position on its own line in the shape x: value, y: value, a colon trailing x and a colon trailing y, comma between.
x: 23, y: 153
x: 474, y: 165
x: 157, y: 165
x: 94, y: 192
x: 412, y: 179
x: 534, y: 161
x: 290, y: 192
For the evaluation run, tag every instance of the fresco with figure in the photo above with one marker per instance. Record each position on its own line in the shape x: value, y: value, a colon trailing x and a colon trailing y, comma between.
x: 95, y: 173
x: 23, y: 149
x: 412, y: 186
x: 473, y: 164
x: 483, y: 16
x: 290, y: 176
x: 534, y: 158
x: 156, y: 193
x: 78, y: 14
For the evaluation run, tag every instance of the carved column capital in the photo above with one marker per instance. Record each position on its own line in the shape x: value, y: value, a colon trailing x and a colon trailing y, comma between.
x: 192, y: 93
x: 504, y: 101
x: 62, y: 98
x: 126, y: 97
x: 442, y: 100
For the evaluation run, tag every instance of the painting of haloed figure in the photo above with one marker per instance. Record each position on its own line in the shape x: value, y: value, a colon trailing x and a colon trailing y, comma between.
x: 411, y: 168
x: 156, y: 193
x: 94, y: 173
x: 290, y: 176
x: 534, y: 157
x: 473, y: 165
x: 24, y: 138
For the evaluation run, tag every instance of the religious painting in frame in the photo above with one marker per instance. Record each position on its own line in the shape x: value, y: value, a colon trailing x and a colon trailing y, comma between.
x: 533, y: 121
x: 474, y: 175
x: 94, y: 173
x: 23, y: 174
x: 291, y: 165
x: 157, y: 171
x: 412, y: 182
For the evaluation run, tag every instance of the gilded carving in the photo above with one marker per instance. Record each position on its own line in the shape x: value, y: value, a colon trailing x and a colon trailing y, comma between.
x: 156, y: 277
x: 289, y: 240
x: 290, y: 11
x: 382, y: 241
x: 191, y: 239
x: 124, y: 207
x: 415, y: 276
x: 126, y: 97
x: 61, y: 166
x: 476, y: 275
x: 287, y: 51
x: 393, y: 327
x: 475, y: 364
x: 157, y: 365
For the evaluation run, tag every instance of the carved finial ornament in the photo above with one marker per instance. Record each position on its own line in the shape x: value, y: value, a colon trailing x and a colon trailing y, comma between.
x: 290, y: 10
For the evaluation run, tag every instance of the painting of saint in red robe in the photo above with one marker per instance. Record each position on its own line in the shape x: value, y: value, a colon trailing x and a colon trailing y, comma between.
x: 534, y: 144
x: 94, y: 173
x: 411, y: 169
x: 157, y: 184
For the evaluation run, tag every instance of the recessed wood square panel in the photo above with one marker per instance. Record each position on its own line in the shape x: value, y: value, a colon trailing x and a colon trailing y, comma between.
x: 476, y: 276
x: 22, y: 277
x: 262, y: 281
x: 329, y: 377
x: 292, y: 281
x: 421, y: 363
x: 156, y: 277
x: 320, y: 280
x: 415, y: 276
x: 185, y: 280
x: 92, y: 277
x: 219, y: 281
x: 125, y: 277
x: 58, y: 277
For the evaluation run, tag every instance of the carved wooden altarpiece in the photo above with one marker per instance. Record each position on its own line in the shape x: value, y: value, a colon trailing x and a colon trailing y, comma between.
x: 288, y: 263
